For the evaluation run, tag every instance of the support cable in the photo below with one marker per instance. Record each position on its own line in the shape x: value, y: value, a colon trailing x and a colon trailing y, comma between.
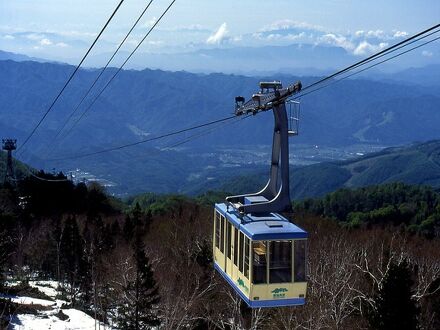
x: 70, y: 78
x: 205, y: 132
x: 102, y: 71
x: 365, y: 69
x: 39, y: 177
x: 119, y: 70
x: 184, y: 140
x: 144, y: 141
x: 357, y: 64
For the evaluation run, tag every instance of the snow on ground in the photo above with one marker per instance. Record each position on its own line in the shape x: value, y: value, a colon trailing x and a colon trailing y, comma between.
x: 49, y: 288
x: 47, y: 320
x: 28, y: 300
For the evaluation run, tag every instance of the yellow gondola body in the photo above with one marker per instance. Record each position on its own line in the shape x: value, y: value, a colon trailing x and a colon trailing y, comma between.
x: 261, y: 256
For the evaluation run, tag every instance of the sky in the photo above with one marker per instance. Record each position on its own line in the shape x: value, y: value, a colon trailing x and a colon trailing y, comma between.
x: 63, y: 30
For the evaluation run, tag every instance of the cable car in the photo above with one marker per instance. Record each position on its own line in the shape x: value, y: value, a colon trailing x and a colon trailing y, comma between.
x: 259, y: 252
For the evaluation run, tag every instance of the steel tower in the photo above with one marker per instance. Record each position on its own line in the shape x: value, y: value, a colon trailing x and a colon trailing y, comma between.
x: 9, y: 145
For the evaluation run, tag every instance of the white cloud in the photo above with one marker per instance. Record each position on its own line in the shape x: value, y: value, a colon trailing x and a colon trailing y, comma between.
x: 133, y: 42
x: 400, y: 34
x: 35, y: 36
x: 366, y: 48
x: 427, y: 53
x: 274, y: 36
x: 74, y: 33
x: 151, y: 22
x: 377, y: 34
x: 45, y: 42
x: 336, y: 40
x: 358, y: 42
x: 278, y: 36
x: 8, y: 37
x: 287, y: 24
x: 62, y: 45
x: 293, y: 37
x: 193, y: 27
x: 155, y: 42
x: 380, y: 34
x: 189, y: 28
x: 219, y: 36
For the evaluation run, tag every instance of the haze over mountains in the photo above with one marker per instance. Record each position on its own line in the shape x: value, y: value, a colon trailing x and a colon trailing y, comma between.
x: 284, y: 46
x: 399, y: 109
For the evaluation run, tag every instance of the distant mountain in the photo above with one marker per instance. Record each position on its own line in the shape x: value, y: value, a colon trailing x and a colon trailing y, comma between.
x: 429, y: 74
x: 147, y: 103
x: 425, y: 76
x: 415, y: 164
x: 296, y: 58
x: 19, y: 57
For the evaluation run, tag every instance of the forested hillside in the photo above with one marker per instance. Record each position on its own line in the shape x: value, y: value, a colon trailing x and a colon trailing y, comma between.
x: 418, y: 163
x: 104, y: 254
x: 415, y: 209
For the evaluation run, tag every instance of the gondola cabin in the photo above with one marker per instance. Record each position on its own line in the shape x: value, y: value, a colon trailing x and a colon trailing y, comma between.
x: 261, y: 254
x: 263, y: 257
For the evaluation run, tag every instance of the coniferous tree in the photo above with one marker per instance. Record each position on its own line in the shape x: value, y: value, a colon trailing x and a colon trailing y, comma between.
x: 139, y: 310
x: 87, y: 264
x: 49, y: 265
x: 395, y: 307
x: 72, y: 250
x: 3, y: 257
x: 56, y: 238
x: 128, y: 228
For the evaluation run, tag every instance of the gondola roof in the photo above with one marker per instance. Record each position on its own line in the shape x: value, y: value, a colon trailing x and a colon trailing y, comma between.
x: 269, y: 226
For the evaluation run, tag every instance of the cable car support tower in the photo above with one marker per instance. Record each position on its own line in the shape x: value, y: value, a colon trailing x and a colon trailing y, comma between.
x: 275, y: 196
x: 9, y: 145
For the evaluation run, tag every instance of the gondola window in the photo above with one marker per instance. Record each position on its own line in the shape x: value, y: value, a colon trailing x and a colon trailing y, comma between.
x: 259, y: 262
x: 280, y: 261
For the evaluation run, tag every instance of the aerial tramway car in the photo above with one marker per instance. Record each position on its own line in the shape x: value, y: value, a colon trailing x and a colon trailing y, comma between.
x: 259, y: 252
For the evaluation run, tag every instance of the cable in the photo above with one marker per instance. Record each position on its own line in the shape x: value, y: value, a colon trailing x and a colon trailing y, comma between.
x: 144, y: 141
x: 119, y: 69
x: 357, y: 64
x: 182, y: 141
x: 41, y: 178
x: 367, y: 68
x: 102, y: 71
x: 206, y: 132
x: 47, y: 180
x: 71, y: 77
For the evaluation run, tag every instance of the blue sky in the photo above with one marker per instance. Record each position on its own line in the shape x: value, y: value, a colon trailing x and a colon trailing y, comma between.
x: 63, y: 30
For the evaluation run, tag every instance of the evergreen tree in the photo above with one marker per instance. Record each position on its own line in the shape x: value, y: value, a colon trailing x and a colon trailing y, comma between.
x: 72, y: 255
x: 395, y: 307
x: 3, y: 257
x: 87, y: 263
x: 49, y: 264
x: 128, y: 228
x: 139, y: 309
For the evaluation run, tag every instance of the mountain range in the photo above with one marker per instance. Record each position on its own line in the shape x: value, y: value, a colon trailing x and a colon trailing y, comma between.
x: 144, y: 104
